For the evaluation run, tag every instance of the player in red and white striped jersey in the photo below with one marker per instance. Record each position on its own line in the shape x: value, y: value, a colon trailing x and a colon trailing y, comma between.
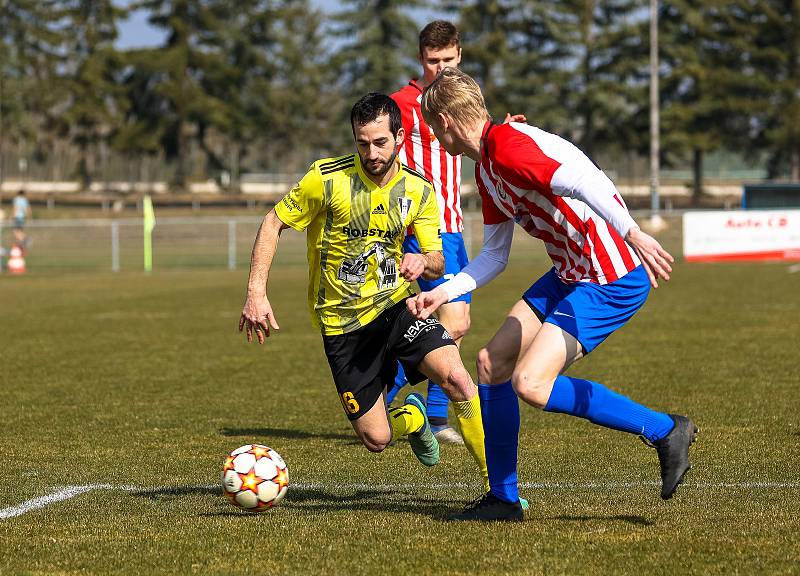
x: 551, y: 189
x: 421, y: 151
x: 439, y: 48
x: 603, y: 267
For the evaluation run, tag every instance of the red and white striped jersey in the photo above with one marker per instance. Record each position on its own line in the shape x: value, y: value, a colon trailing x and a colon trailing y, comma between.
x: 421, y: 152
x: 552, y: 189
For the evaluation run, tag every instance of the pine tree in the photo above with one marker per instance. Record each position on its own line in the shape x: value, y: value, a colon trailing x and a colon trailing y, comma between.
x: 92, y: 107
x: 29, y: 61
x: 483, y: 26
x: 709, y: 94
x: 264, y: 66
x: 572, y: 66
x: 170, y: 79
x: 777, y: 119
x: 379, y: 44
x: 238, y: 75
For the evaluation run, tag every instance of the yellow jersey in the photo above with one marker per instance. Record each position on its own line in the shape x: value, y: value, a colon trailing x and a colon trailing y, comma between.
x: 355, y: 231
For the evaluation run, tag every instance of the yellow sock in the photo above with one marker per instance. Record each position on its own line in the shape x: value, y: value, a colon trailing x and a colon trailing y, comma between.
x: 468, y: 414
x: 405, y: 419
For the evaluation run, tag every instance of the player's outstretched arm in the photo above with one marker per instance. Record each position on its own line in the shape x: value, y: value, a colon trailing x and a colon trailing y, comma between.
x: 257, y: 315
x: 655, y: 259
x: 426, y: 303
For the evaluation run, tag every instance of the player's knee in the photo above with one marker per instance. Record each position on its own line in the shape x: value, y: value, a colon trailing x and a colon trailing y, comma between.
x: 533, y: 388
x: 491, y: 369
x: 458, y: 384
x: 375, y: 441
x: 484, y: 366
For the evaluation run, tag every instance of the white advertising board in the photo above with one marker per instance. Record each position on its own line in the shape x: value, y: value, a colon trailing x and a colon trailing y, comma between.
x: 741, y: 235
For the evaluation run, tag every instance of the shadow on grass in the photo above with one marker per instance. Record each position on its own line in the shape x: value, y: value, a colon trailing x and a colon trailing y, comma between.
x: 158, y: 493
x: 638, y: 520
x: 287, y: 434
x: 314, y: 501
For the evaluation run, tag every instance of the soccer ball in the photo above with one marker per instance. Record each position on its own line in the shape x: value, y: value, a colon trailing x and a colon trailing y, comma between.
x: 254, y: 477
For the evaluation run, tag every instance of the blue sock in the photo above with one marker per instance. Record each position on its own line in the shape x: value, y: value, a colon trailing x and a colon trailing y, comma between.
x: 605, y: 407
x: 399, y: 382
x: 500, y: 412
x: 436, y: 405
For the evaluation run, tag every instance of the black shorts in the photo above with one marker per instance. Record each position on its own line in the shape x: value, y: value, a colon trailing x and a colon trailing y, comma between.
x: 364, y: 362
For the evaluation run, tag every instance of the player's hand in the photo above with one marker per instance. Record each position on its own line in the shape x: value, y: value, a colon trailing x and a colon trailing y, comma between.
x: 655, y: 259
x: 257, y: 316
x: 424, y: 304
x: 514, y: 118
x: 412, y: 266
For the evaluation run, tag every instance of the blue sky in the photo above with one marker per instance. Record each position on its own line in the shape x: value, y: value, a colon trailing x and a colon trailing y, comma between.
x: 135, y: 32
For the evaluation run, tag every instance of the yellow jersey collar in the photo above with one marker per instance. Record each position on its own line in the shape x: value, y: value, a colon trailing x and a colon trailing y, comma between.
x: 371, y: 186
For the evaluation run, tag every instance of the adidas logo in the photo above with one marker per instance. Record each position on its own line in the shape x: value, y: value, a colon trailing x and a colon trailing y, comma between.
x: 379, y: 209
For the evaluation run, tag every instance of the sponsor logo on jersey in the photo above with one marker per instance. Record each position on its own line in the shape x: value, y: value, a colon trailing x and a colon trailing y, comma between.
x: 370, y: 232
x: 500, y: 192
x: 355, y: 271
x: 291, y: 204
x: 379, y: 209
x: 405, y: 207
x: 420, y: 327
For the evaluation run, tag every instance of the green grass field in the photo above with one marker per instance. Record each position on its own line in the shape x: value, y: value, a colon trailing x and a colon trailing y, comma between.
x: 143, y: 384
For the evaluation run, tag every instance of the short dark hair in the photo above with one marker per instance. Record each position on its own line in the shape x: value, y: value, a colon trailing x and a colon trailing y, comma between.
x: 375, y: 104
x: 439, y: 34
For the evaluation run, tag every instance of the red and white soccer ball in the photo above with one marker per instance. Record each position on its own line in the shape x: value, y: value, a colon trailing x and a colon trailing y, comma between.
x: 255, y: 478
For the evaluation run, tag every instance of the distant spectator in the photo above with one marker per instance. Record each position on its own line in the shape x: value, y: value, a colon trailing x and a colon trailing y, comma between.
x: 22, y: 211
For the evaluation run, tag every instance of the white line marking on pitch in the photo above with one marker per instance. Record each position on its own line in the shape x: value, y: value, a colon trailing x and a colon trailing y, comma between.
x: 543, y: 485
x: 63, y: 494
x: 68, y: 492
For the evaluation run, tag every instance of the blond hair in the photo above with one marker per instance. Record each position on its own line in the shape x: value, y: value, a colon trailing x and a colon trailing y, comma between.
x: 456, y: 94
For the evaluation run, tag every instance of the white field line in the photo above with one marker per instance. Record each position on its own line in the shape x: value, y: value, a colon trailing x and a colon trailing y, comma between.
x: 755, y: 485
x: 62, y: 494
x: 68, y: 492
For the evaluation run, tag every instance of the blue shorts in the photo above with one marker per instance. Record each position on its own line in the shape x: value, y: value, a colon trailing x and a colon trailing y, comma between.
x: 455, y: 260
x: 590, y: 312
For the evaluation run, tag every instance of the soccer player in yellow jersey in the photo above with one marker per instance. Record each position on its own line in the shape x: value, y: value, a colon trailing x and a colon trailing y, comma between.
x: 355, y: 210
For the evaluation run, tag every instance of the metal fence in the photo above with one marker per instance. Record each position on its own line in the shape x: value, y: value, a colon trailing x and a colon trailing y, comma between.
x: 183, y: 242
x: 106, y: 244
x: 220, y: 242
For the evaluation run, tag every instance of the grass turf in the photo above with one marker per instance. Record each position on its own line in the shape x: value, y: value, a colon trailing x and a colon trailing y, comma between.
x: 143, y: 381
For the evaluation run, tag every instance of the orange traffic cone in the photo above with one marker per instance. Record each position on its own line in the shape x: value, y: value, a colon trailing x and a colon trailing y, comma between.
x: 16, y: 260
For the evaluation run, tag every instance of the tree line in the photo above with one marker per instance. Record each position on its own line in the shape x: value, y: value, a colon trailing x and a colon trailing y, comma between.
x: 266, y: 85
